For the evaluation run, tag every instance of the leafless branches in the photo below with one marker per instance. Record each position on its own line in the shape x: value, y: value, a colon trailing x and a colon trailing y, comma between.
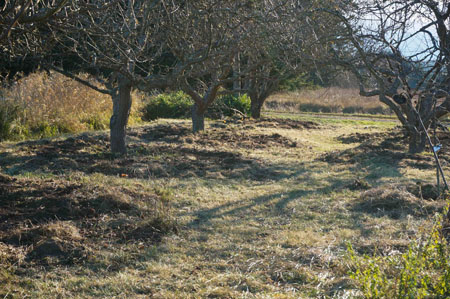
x: 400, y: 52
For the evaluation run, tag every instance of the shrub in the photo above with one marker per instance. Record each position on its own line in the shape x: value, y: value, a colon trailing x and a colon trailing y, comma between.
x: 319, y: 108
x: 423, y: 271
x: 168, y: 105
x: 353, y: 109
x: 379, y: 110
x: 229, y: 105
x: 178, y: 105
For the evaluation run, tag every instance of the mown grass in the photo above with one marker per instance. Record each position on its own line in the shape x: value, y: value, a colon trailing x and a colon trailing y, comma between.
x: 253, y: 209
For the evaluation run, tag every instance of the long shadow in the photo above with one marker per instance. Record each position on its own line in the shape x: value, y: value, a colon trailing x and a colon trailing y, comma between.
x: 279, y: 201
x: 380, y: 154
x: 275, y: 205
x: 152, y: 155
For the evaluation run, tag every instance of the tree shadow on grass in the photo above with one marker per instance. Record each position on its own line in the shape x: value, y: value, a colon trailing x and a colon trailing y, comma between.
x: 276, y: 204
x: 397, y: 205
x: 253, y: 219
x: 157, y: 156
x: 381, y: 154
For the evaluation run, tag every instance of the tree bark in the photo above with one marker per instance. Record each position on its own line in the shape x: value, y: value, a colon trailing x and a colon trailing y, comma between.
x: 255, y: 108
x: 417, y: 142
x: 119, y: 119
x: 198, y: 118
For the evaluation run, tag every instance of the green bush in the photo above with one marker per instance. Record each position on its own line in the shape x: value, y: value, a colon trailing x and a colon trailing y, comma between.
x: 319, y: 108
x: 96, y: 122
x: 178, y: 105
x: 379, y: 110
x: 168, y: 105
x: 229, y: 105
x: 10, y: 119
x: 353, y: 109
x: 45, y: 129
x: 423, y: 271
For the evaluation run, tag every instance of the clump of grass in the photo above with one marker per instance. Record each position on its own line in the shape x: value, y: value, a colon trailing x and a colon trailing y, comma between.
x: 423, y: 271
x: 62, y: 230
x: 10, y: 255
x: 51, y: 104
x: 394, y: 201
x: 387, y: 198
x: 10, y: 113
x: 326, y: 100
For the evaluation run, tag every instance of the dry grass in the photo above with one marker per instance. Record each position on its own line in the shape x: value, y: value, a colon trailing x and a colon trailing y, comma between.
x: 328, y: 100
x: 54, y: 104
x: 263, y: 209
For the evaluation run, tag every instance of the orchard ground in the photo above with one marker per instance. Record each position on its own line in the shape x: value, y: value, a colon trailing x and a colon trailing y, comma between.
x: 247, y: 209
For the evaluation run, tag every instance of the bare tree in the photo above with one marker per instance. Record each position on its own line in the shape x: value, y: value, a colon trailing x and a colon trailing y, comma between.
x: 154, y: 44
x: 291, y: 39
x: 400, y: 53
x: 121, y: 43
x: 206, y: 37
x: 18, y: 16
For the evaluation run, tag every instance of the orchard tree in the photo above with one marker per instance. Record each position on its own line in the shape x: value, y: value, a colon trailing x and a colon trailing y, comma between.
x: 400, y: 53
x: 153, y: 44
x: 212, y: 34
x: 292, y: 39
x: 20, y: 16
x: 121, y: 43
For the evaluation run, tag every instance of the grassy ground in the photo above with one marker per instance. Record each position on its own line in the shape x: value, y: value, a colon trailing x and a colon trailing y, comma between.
x: 255, y: 209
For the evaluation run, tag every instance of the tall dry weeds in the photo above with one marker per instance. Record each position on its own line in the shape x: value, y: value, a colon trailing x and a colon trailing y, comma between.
x: 330, y: 99
x: 53, y: 104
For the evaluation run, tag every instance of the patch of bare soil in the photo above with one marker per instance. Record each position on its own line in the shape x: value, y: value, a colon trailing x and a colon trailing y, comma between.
x: 171, y: 133
x: 234, y: 139
x: 53, y: 222
x: 166, y: 161
x: 358, y: 184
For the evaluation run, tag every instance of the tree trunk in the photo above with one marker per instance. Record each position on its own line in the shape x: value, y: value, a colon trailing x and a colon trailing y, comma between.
x: 121, y: 111
x: 417, y: 142
x: 236, y: 70
x: 198, y: 118
x: 255, y: 109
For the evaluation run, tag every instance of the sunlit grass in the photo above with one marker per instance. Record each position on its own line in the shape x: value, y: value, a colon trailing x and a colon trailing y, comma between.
x: 281, y: 233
